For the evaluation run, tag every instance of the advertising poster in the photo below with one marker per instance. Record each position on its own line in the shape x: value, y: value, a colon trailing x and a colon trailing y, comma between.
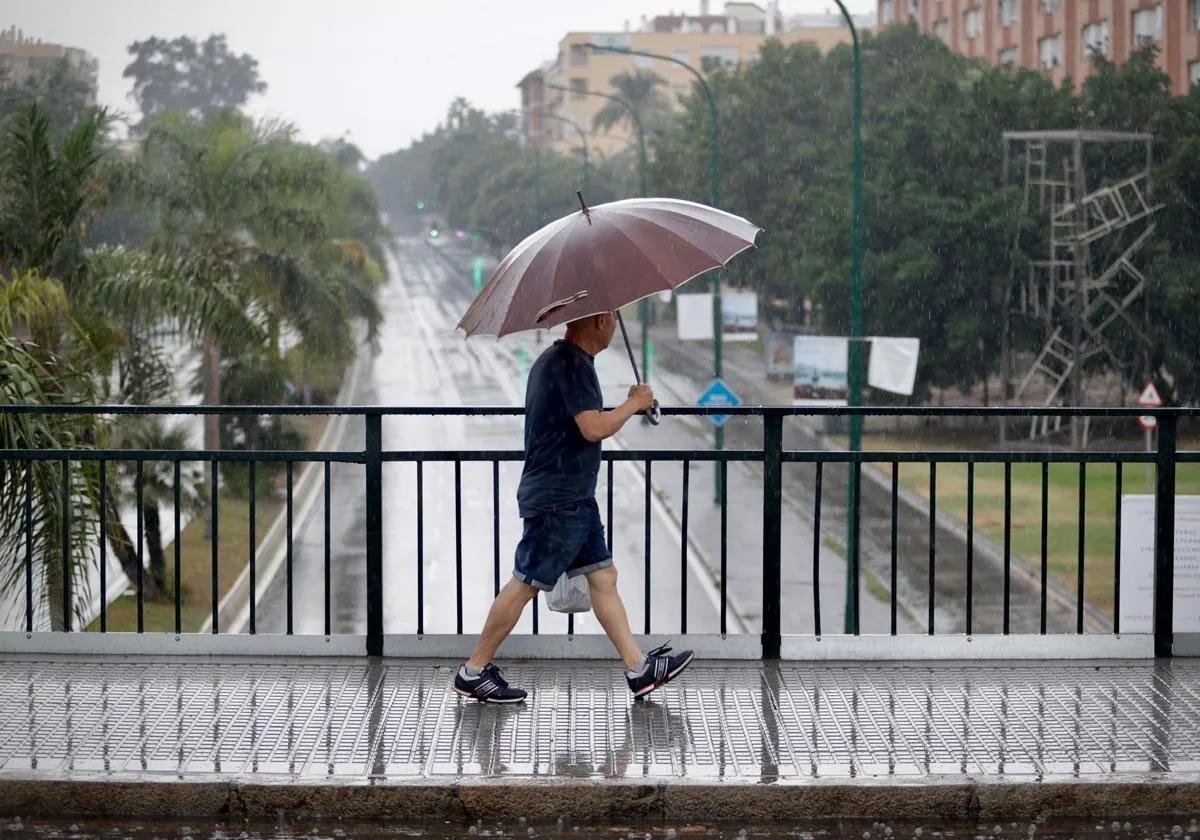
x: 819, y: 366
x: 1137, y: 564
x: 739, y: 312
x: 777, y: 350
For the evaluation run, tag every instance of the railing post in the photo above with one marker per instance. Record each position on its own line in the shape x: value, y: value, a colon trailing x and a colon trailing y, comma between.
x: 374, y: 478
x: 772, y: 530
x: 1164, y: 537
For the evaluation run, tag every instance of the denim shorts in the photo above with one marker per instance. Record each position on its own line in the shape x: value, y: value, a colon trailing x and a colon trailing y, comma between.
x: 570, y: 539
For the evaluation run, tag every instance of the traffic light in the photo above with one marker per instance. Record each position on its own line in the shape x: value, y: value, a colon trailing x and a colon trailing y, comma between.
x: 420, y: 205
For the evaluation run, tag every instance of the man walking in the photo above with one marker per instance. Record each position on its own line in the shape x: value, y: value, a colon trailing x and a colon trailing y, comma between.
x: 564, y: 425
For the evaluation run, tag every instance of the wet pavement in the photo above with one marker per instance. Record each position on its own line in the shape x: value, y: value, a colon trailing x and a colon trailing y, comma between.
x: 356, y: 720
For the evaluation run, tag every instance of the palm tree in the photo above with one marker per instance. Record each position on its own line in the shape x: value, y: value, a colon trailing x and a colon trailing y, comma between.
x: 639, y: 88
x: 64, y: 312
x: 260, y: 219
x: 45, y: 189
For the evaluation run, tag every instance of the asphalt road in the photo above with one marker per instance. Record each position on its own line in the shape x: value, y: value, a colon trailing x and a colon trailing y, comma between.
x: 423, y: 361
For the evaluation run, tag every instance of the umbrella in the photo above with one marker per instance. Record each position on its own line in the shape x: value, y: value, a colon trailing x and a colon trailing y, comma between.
x: 602, y: 258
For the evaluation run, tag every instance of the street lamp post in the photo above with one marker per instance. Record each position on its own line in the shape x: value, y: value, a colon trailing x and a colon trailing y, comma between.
x: 855, y: 349
x: 714, y: 161
x: 644, y: 304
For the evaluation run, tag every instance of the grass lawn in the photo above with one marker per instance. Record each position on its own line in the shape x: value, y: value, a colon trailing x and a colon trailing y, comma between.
x: 195, y: 556
x: 1062, y: 508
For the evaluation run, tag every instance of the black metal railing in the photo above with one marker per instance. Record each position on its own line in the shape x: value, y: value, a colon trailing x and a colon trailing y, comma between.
x: 772, y: 455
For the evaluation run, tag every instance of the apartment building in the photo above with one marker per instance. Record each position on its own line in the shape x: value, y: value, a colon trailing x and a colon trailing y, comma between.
x: 733, y: 37
x: 1060, y: 37
x: 22, y: 56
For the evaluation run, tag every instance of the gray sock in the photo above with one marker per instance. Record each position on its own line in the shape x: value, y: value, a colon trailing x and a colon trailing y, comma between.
x: 639, y: 668
x: 469, y: 671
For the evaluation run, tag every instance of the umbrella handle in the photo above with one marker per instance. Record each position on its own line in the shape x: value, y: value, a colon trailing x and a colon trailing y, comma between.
x: 655, y: 413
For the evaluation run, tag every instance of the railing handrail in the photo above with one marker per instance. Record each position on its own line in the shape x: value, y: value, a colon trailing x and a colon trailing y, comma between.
x: 772, y: 455
x: 679, y: 410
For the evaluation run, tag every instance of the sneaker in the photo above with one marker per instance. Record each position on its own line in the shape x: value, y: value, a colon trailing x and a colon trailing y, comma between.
x: 661, y: 667
x: 488, y: 687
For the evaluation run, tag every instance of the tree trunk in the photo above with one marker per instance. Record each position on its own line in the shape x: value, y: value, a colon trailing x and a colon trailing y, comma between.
x: 211, y: 374
x: 123, y: 547
x: 54, y: 585
x: 158, y: 565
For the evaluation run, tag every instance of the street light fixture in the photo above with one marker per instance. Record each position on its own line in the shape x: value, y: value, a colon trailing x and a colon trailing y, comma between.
x: 714, y: 160
x: 644, y: 304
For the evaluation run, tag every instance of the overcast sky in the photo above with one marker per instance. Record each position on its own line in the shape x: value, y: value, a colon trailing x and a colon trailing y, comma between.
x: 382, y: 70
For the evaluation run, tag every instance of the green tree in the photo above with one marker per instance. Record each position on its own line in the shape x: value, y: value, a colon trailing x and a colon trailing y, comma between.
x: 938, y: 227
x: 189, y: 76
x: 274, y: 227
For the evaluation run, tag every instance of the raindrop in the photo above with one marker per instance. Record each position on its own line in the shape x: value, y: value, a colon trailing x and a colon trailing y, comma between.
x: 997, y: 829
x: 866, y: 835
x: 918, y: 831
x: 1129, y: 826
x: 1116, y: 826
x: 74, y: 826
x: 1176, y: 831
x: 530, y: 831
x: 472, y: 830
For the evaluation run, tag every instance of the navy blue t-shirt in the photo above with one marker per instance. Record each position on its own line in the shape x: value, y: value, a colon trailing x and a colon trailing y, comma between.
x: 561, y: 466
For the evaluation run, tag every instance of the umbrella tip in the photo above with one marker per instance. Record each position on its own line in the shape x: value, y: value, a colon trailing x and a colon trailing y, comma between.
x: 582, y: 204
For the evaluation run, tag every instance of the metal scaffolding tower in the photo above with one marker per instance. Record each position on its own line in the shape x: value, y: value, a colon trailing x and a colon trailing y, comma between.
x: 1087, y: 281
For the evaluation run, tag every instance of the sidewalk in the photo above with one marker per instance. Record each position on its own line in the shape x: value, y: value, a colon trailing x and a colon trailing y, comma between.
x: 357, y: 738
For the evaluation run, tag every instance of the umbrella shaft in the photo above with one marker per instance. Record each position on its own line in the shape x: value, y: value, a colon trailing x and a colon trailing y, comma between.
x: 629, y: 349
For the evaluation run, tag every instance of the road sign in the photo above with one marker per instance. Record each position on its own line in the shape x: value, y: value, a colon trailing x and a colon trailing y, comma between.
x: 1149, y: 399
x: 718, y: 393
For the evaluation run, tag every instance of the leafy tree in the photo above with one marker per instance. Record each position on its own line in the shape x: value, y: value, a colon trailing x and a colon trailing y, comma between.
x: 194, y: 78
x: 278, y: 229
x: 938, y: 228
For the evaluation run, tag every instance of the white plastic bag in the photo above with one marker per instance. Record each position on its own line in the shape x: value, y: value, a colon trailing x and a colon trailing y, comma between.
x: 569, y: 595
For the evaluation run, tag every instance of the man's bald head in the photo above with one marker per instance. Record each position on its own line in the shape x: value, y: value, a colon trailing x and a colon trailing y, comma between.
x: 593, y: 333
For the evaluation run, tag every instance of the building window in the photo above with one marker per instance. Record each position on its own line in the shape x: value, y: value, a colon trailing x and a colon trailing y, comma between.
x: 1049, y: 6
x: 1050, y: 52
x: 1194, y: 73
x: 1008, y: 12
x: 578, y: 55
x: 914, y: 6
x: 1008, y: 56
x: 887, y: 12
x: 681, y: 55
x: 973, y: 23
x: 1095, y: 40
x: 718, y: 56
x: 1147, y: 26
x: 578, y: 89
x: 1195, y: 4
x: 941, y: 29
